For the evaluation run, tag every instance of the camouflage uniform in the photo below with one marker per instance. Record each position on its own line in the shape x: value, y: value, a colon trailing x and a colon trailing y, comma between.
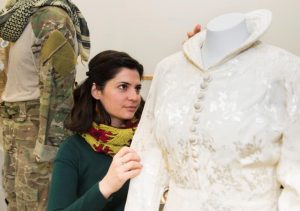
x: 2, y: 84
x: 2, y: 73
x: 2, y: 81
x: 33, y: 130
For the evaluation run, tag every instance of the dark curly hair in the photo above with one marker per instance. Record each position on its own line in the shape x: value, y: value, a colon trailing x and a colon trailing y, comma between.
x: 102, y: 68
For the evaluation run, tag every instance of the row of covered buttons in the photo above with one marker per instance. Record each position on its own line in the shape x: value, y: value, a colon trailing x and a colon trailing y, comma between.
x: 198, y: 107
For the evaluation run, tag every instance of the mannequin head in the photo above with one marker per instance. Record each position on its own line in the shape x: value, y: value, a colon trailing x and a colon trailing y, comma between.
x: 224, y: 34
x: 226, y: 22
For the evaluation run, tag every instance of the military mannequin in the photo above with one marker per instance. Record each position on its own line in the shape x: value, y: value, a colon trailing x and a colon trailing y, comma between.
x: 45, y: 37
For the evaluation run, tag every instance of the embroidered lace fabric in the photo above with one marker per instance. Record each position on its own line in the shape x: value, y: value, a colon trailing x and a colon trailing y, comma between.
x: 225, y: 139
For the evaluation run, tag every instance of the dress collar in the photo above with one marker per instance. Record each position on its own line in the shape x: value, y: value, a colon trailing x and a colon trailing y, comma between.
x: 257, y: 21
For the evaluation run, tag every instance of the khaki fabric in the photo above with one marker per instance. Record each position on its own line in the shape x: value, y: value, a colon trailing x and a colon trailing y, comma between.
x: 34, y: 129
x: 59, y: 50
x: 3, y: 59
x: 25, y: 180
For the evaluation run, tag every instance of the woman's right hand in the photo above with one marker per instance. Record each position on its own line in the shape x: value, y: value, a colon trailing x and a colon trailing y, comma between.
x: 125, y: 165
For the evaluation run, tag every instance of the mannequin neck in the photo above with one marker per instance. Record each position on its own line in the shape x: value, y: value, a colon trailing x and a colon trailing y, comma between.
x: 224, y: 34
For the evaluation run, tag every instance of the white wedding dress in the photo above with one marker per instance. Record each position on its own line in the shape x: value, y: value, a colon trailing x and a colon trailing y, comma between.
x: 224, y: 138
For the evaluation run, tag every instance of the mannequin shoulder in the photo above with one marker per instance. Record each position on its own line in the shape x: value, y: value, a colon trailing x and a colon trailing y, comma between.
x: 49, y: 18
x: 272, y: 50
x: 50, y: 13
x: 171, y: 60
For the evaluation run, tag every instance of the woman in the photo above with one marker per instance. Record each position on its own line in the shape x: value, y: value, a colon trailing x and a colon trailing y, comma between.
x: 92, y: 167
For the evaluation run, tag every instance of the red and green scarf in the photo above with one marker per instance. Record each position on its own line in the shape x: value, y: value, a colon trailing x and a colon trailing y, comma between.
x: 107, y: 139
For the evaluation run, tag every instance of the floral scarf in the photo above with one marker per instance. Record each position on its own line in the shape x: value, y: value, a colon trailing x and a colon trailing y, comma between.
x: 107, y: 139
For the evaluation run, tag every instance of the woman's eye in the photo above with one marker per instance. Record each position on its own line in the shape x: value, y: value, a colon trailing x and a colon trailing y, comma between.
x: 138, y: 89
x: 123, y: 87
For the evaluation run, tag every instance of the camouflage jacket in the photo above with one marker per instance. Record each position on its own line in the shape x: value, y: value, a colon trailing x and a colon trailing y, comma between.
x: 55, y: 52
x: 3, y: 58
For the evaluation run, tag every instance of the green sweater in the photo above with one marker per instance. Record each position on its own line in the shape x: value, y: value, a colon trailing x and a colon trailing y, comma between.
x: 77, y: 172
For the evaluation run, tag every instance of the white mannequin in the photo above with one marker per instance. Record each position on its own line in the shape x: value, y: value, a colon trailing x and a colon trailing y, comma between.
x: 223, y: 137
x: 224, y: 34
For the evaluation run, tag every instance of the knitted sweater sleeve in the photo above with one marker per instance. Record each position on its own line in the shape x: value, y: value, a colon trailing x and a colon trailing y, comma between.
x: 65, y: 184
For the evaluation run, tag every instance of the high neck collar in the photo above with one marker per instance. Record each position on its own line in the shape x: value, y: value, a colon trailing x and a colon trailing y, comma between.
x: 258, y: 22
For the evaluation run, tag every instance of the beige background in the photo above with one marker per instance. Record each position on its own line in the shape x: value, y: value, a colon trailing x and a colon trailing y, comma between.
x: 152, y: 30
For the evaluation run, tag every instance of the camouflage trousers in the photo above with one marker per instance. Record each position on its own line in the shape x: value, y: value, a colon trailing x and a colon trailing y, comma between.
x: 25, y: 181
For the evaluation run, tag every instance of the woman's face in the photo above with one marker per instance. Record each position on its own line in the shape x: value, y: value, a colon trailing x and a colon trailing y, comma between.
x: 121, y: 96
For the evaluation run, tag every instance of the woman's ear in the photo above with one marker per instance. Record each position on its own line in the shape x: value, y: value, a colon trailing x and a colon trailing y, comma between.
x: 96, y: 93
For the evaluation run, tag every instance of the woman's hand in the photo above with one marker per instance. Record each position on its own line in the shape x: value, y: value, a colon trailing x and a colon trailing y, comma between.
x: 196, y: 30
x: 125, y: 165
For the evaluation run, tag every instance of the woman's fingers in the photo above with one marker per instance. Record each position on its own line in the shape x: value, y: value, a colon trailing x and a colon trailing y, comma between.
x: 130, y: 156
x: 126, y: 155
x: 132, y: 174
x: 128, y: 160
x: 196, y: 30
x: 131, y: 165
x: 123, y: 151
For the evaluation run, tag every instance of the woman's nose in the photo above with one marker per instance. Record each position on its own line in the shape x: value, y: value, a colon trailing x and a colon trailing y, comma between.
x: 133, y: 95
